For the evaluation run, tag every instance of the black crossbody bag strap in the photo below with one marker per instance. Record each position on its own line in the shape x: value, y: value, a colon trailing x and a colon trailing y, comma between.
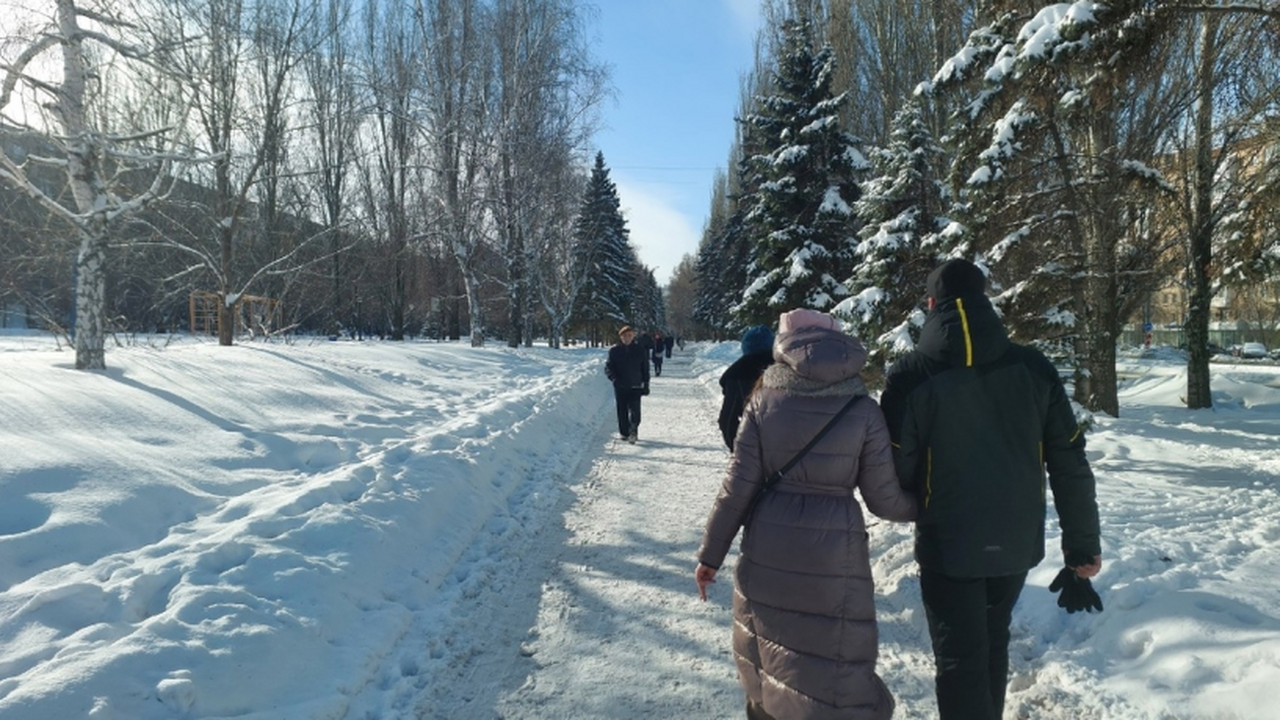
x: 776, y: 476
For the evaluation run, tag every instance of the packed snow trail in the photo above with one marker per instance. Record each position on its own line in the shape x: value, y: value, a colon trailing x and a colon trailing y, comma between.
x: 618, y: 631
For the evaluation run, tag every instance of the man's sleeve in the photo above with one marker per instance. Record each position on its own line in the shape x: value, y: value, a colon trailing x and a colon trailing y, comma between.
x: 1070, y: 477
x: 902, y: 434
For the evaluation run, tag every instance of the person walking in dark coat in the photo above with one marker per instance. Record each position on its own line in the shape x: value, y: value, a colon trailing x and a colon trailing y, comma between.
x: 740, y: 378
x: 628, y: 369
x: 977, y: 421
x: 668, y: 342
x: 645, y: 340
x: 657, y: 352
x: 805, y: 637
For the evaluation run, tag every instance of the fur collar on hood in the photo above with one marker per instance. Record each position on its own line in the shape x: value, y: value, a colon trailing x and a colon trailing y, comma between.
x: 817, y: 361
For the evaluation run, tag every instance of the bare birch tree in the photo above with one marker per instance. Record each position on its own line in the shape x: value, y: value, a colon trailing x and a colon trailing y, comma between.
x: 546, y: 91
x: 458, y: 133
x: 392, y: 69
x: 555, y: 278
x: 77, y: 50
x: 884, y: 48
x: 246, y: 54
x: 334, y: 115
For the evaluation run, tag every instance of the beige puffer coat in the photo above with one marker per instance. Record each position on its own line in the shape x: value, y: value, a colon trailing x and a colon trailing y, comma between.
x: 804, y: 634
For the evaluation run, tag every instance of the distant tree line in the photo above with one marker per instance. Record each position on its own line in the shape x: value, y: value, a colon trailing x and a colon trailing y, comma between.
x: 1084, y: 153
x: 392, y: 167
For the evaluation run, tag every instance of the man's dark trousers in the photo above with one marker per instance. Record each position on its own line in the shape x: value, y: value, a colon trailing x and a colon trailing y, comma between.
x: 969, y: 625
x: 628, y: 401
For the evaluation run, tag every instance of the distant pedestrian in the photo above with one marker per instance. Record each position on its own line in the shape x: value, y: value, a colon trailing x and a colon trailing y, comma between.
x: 669, y: 342
x: 977, y: 422
x: 805, y: 638
x: 658, y: 345
x: 645, y: 340
x: 738, y: 380
x: 628, y: 369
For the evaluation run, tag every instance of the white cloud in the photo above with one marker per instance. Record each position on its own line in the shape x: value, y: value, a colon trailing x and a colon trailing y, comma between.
x: 745, y: 13
x: 661, y: 234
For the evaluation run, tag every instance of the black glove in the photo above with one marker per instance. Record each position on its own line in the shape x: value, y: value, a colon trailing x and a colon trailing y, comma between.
x: 1077, y: 593
x: 645, y: 390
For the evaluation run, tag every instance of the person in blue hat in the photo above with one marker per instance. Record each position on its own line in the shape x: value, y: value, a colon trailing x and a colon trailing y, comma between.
x: 740, y: 378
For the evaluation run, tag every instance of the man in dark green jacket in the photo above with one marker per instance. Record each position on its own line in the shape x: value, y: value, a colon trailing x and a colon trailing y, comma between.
x: 976, y: 421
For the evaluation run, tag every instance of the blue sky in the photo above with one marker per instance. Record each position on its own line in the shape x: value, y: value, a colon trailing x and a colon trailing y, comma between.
x: 676, y: 69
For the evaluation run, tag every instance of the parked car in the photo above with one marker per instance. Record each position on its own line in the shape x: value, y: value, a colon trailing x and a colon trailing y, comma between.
x: 1215, y: 350
x: 1253, y: 350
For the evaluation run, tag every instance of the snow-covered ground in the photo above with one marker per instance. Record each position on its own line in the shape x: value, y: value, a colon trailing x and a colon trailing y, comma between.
x: 419, y: 530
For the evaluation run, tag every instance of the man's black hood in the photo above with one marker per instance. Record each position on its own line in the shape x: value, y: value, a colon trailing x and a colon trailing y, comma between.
x: 963, y: 331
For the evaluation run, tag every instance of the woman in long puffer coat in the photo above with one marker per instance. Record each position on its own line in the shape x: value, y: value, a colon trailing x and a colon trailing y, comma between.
x: 804, y: 634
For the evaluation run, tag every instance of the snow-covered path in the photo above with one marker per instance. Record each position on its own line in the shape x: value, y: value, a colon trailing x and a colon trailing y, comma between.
x: 618, y: 632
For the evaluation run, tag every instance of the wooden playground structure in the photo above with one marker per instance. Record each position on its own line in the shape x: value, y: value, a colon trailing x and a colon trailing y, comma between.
x: 261, y: 315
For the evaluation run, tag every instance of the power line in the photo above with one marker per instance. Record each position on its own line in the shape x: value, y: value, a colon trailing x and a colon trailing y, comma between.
x: 664, y: 167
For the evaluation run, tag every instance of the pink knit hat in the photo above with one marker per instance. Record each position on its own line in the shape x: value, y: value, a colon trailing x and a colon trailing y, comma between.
x: 804, y: 318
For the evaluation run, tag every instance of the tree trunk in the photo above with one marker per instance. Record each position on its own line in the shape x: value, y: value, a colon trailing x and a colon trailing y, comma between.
x: 1096, y: 383
x: 91, y: 287
x: 1102, y: 223
x: 474, y: 307
x: 1200, y: 252
x: 84, y: 175
x: 226, y: 309
x: 399, y: 296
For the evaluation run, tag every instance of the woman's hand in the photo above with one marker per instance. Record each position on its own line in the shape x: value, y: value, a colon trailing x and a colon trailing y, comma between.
x: 704, y: 575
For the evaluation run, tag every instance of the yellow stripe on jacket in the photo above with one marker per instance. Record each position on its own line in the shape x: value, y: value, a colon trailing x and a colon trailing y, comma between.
x: 968, y: 339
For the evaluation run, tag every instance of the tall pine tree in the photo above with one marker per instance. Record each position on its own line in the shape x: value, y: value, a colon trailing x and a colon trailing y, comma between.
x: 799, y: 218
x: 902, y: 210
x: 604, y: 257
x: 648, y: 311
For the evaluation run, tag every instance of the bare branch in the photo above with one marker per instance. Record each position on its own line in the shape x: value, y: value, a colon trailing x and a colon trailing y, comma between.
x: 17, y: 69
x: 1269, y: 9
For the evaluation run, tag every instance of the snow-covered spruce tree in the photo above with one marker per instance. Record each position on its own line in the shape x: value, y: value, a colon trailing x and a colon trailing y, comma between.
x: 800, y: 221
x: 721, y: 263
x: 604, y: 258
x: 1050, y: 174
x: 1251, y: 234
x: 721, y: 267
x: 648, y: 312
x: 726, y: 251
x: 902, y: 210
x: 708, y: 269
